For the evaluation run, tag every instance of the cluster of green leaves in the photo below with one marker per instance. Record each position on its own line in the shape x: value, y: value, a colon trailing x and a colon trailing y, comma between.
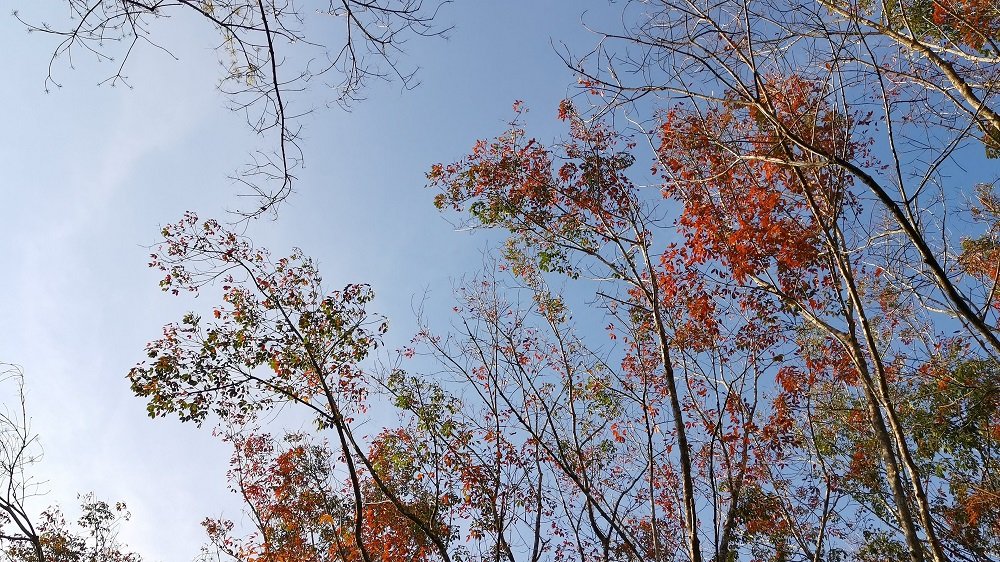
x: 277, y: 336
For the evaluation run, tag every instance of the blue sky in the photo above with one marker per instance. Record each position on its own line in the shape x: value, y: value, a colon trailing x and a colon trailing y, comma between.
x: 90, y: 172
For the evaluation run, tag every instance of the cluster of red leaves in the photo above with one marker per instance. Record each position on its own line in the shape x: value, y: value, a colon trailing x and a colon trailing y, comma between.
x: 388, y: 533
x: 517, y: 183
x: 980, y: 257
x: 753, y: 201
x: 294, y: 510
x: 302, y: 513
x: 974, y: 22
x: 686, y: 291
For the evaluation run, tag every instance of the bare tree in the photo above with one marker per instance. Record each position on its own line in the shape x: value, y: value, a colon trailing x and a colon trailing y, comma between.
x: 271, y: 50
x: 30, y: 535
x: 19, y: 450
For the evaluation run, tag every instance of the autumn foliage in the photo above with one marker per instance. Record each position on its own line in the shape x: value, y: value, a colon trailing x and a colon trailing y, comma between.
x: 764, y: 332
x: 732, y: 322
x: 765, y: 385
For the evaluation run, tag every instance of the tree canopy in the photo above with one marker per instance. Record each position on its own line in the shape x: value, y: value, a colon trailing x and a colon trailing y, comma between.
x: 745, y: 308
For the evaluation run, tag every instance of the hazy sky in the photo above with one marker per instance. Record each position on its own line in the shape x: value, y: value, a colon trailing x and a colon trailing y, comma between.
x: 89, y: 173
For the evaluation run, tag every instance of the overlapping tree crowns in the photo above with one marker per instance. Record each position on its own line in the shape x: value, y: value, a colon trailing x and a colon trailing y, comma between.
x: 278, y: 338
x: 781, y: 269
x: 783, y: 388
x: 929, y: 108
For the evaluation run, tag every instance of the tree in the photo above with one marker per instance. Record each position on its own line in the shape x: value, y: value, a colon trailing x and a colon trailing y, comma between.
x: 302, y: 511
x: 279, y: 339
x: 257, y: 39
x: 794, y: 352
x: 19, y: 449
x: 804, y: 242
x: 27, y: 536
x: 770, y: 338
